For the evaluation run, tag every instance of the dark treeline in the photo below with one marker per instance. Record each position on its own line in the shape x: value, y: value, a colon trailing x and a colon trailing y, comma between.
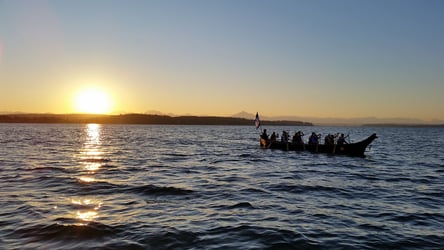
x: 138, y: 119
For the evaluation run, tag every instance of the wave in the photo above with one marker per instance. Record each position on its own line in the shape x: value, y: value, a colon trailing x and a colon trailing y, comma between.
x: 246, y: 205
x: 255, y: 237
x: 159, y: 190
x: 94, y: 160
x: 230, y: 237
x: 421, y: 219
x: 64, y: 234
x: 74, y: 185
x: 171, y: 239
x: 51, y: 169
x: 305, y: 188
x: 414, y: 242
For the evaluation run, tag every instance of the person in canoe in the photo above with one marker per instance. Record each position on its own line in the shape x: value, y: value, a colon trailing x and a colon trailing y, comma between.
x: 313, y: 139
x: 297, y: 138
x: 273, y: 137
x: 264, y: 135
x: 341, y: 139
x: 284, y: 137
x: 329, y: 139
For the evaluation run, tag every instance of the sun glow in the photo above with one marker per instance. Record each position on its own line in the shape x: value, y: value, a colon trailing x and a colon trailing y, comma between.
x: 93, y: 101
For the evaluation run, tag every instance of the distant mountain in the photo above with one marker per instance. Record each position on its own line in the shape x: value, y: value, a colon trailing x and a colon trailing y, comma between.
x: 266, y: 120
x: 156, y: 112
x: 251, y: 116
x: 244, y: 115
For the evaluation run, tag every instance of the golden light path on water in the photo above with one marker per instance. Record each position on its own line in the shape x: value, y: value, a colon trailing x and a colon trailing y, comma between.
x: 91, y: 154
x: 91, y: 160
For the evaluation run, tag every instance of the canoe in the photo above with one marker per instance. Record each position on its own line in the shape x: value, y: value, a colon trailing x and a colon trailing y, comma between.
x: 350, y: 149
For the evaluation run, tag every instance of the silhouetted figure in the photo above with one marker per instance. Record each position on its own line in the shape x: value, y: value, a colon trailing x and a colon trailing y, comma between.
x: 341, y: 140
x: 297, y: 138
x: 273, y: 137
x: 264, y: 135
x: 313, y: 139
x: 284, y: 137
x: 329, y: 139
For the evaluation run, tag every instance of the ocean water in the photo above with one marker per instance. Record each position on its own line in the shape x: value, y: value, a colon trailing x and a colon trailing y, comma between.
x: 212, y: 187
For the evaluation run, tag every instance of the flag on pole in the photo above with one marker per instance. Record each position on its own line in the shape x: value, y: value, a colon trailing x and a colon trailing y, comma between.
x: 257, y: 122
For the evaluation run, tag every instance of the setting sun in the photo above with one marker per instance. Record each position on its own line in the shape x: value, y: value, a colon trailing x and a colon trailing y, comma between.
x: 93, y: 101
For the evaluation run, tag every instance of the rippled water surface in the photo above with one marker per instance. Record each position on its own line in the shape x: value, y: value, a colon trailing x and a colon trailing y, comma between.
x: 212, y: 187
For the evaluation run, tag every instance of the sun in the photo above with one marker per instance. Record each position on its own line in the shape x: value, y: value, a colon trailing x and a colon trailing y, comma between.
x: 93, y: 101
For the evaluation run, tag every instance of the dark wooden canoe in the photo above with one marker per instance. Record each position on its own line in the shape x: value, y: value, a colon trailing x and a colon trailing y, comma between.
x: 350, y: 149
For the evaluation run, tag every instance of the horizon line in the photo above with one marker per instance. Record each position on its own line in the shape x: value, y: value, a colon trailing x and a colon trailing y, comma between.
x: 340, y: 121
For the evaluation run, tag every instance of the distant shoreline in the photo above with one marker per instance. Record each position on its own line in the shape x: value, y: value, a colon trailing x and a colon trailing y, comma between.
x: 139, y: 119
x: 394, y: 125
x: 174, y: 120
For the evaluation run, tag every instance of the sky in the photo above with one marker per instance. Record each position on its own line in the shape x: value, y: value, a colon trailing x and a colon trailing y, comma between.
x: 316, y: 58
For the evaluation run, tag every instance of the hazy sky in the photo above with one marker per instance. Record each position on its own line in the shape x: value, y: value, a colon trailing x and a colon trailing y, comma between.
x: 332, y: 58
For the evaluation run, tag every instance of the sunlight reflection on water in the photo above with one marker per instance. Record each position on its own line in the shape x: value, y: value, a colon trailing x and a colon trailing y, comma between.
x: 87, y: 179
x: 87, y: 210
x: 90, y: 155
